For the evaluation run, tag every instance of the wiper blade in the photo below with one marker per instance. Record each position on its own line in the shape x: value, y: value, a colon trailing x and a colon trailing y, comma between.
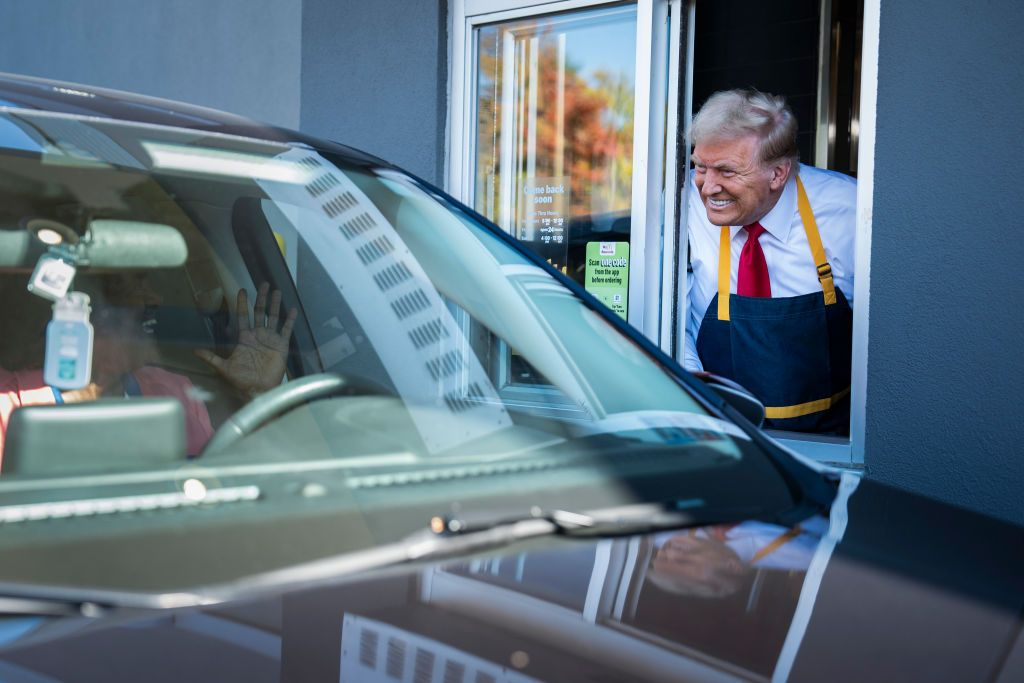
x: 59, y: 601
x: 448, y: 537
x: 614, y: 521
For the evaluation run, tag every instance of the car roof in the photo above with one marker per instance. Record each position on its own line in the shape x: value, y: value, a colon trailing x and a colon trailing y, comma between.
x: 27, y: 92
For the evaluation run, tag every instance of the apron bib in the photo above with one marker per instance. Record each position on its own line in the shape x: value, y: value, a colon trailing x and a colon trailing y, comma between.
x: 792, y: 353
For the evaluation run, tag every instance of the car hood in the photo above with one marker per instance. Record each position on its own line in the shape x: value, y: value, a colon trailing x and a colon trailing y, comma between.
x: 889, y: 587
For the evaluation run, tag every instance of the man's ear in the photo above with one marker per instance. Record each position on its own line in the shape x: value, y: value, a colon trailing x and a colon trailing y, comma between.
x: 780, y: 174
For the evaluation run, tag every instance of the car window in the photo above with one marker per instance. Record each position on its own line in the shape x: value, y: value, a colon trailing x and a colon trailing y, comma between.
x: 285, y: 338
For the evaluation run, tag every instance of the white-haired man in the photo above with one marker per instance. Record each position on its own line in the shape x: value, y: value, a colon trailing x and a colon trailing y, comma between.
x: 771, y: 251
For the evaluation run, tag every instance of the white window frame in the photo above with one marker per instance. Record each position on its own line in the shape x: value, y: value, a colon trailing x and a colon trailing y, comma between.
x: 655, y: 282
x: 653, y: 150
x: 833, y: 450
x: 865, y: 210
x: 841, y: 451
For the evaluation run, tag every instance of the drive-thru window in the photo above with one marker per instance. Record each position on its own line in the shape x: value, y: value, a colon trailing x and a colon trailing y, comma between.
x: 569, y: 128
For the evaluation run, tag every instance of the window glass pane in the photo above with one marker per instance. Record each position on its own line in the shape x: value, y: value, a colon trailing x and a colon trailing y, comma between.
x: 554, y: 136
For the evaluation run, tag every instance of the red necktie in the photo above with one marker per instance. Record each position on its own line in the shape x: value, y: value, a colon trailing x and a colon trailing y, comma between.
x: 752, y: 276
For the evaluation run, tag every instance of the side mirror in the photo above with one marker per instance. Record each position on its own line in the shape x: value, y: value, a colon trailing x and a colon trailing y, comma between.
x: 735, y: 395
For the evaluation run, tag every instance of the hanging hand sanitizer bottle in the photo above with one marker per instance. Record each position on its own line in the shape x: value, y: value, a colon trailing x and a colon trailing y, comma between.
x: 69, y: 337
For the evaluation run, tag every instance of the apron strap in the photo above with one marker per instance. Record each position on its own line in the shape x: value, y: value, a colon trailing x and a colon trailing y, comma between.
x: 828, y: 286
x: 801, y: 409
x: 776, y: 543
x: 814, y: 240
x: 724, y: 271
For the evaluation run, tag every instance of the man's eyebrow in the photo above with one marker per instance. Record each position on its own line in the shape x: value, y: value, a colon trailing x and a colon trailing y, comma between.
x: 724, y: 166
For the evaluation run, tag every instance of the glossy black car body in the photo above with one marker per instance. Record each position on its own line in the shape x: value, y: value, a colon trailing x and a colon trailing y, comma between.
x: 857, y: 582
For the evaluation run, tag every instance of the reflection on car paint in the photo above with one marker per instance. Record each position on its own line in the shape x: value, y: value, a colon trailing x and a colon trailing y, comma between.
x: 377, y: 652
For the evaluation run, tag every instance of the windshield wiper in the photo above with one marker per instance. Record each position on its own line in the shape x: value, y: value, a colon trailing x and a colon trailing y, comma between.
x: 19, y: 599
x: 605, y: 522
x: 448, y: 537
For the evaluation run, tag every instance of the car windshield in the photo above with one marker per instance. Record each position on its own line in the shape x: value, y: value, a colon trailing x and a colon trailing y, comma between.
x: 289, y: 353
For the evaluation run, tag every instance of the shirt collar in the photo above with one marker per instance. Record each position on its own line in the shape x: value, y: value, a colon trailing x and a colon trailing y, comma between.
x: 779, y: 221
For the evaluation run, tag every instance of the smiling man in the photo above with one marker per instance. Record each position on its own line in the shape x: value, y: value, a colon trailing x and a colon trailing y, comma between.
x: 771, y: 251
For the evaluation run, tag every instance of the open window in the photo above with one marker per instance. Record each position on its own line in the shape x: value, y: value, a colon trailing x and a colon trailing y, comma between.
x: 809, y: 52
x: 541, y: 139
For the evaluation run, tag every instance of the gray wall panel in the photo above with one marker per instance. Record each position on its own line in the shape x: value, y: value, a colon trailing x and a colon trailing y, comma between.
x: 374, y: 76
x: 945, y: 368
x: 239, y: 55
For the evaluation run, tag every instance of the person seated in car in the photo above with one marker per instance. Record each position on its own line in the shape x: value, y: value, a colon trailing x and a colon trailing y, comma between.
x: 124, y: 352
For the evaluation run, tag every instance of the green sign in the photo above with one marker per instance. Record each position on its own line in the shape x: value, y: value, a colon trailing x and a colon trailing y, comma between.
x: 608, y: 274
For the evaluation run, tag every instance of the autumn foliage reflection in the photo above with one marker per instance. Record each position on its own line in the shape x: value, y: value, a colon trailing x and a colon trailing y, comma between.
x: 560, y: 122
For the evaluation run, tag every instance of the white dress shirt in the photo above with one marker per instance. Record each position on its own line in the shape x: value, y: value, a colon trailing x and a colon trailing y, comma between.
x: 791, y: 268
x: 751, y: 537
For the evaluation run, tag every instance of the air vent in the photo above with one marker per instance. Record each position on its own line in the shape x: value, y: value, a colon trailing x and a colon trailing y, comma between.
x: 395, y: 664
x: 339, y: 205
x: 428, y: 333
x: 392, y: 276
x: 368, y: 648
x: 388, y: 654
x: 352, y: 229
x: 445, y: 366
x: 423, y: 670
x: 454, y: 672
x: 458, y: 402
x: 410, y: 304
x: 374, y: 250
x: 322, y: 184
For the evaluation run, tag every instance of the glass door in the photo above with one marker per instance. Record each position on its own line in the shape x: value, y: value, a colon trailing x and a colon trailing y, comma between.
x: 554, y: 140
x: 558, y: 135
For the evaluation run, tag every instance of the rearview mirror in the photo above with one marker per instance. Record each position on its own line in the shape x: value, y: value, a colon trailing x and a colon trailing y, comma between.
x: 107, y: 243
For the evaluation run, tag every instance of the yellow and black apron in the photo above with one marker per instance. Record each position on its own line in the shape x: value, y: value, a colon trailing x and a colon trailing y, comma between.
x: 792, y: 353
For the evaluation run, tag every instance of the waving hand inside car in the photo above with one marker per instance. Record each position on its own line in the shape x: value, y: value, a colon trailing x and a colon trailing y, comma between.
x: 257, y: 363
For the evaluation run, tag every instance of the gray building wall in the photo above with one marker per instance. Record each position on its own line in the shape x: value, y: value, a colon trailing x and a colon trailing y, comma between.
x: 946, y: 333
x: 374, y: 76
x: 239, y: 55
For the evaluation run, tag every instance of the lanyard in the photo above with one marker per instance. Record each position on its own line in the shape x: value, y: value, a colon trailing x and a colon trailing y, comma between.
x: 828, y: 287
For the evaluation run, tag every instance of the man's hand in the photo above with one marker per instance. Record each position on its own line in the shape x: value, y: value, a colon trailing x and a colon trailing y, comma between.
x: 257, y: 362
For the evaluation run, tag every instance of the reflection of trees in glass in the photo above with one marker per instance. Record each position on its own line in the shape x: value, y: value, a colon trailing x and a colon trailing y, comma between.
x: 596, y: 116
x: 488, y: 80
